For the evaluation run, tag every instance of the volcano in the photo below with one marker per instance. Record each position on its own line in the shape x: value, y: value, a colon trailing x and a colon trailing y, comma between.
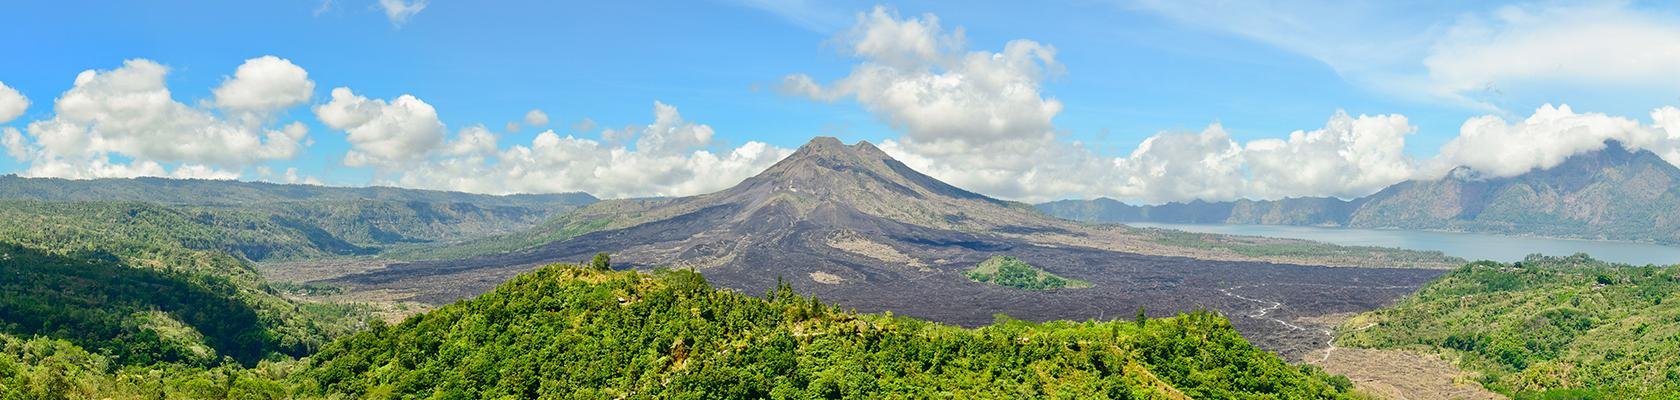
x: 856, y: 227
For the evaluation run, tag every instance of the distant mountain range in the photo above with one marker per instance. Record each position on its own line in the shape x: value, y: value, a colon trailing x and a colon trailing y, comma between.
x: 266, y: 221
x: 1610, y: 194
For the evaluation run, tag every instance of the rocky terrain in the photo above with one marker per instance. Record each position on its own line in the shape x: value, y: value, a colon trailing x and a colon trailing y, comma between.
x: 855, y: 227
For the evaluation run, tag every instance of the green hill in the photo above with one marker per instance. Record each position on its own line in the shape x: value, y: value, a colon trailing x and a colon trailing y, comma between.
x: 143, y: 283
x: 1568, y: 327
x: 144, y: 305
x: 564, y: 330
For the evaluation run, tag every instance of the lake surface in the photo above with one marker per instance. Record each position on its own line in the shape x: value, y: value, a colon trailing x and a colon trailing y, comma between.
x: 1470, y: 246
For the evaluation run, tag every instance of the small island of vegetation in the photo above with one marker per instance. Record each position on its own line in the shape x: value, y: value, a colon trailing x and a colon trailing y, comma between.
x: 1011, y: 272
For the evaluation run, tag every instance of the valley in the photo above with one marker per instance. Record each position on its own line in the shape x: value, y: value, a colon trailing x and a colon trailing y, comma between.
x: 910, y: 238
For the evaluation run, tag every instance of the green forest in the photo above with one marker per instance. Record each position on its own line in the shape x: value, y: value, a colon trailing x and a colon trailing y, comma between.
x: 1546, y: 327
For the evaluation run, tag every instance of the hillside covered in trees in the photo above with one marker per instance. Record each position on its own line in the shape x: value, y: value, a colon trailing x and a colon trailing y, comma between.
x: 568, y: 330
x: 1566, y: 327
x: 585, y: 332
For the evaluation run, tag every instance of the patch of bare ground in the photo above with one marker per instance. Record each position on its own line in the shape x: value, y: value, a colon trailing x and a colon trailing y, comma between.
x: 852, y: 242
x: 1397, y: 374
x: 827, y: 278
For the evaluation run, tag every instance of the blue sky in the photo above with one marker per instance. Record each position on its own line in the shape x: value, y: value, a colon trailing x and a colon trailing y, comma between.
x: 1123, y: 72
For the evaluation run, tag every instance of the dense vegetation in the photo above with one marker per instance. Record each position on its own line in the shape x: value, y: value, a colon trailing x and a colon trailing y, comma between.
x: 149, y: 304
x: 575, y: 331
x: 1567, y: 327
x: 41, y: 368
x: 1011, y: 272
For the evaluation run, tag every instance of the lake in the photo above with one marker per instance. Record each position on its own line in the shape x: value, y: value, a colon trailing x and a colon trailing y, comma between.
x: 1470, y: 246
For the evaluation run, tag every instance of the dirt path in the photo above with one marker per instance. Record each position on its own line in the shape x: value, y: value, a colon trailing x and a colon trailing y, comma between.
x: 1330, y: 344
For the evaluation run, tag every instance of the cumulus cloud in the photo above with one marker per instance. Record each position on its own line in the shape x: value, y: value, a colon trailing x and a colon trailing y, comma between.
x: 979, y: 114
x: 399, y: 11
x: 474, y: 140
x: 16, y: 145
x: 536, y: 118
x: 671, y: 157
x: 1349, y: 157
x: 1494, y: 147
x: 923, y: 81
x: 385, y: 134
x: 264, y: 85
x: 130, y: 113
x: 12, y: 103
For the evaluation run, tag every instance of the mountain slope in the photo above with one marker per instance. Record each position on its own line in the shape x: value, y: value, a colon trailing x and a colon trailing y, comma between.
x: 563, y: 330
x: 851, y: 224
x: 265, y: 221
x: 1612, y: 193
x: 1569, y: 325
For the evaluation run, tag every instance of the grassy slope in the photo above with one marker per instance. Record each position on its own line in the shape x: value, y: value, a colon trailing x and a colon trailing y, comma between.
x: 566, y: 330
x: 1567, y: 325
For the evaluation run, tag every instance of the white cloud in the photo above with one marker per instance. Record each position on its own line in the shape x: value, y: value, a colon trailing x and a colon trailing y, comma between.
x: 16, y: 146
x: 670, y: 158
x: 384, y: 134
x: 1591, y: 44
x: 1349, y: 157
x: 1435, y: 52
x: 512, y: 127
x: 474, y: 140
x: 12, y: 103
x: 264, y: 85
x: 293, y: 177
x: 128, y: 112
x: 536, y: 118
x: 923, y: 81
x: 399, y: 11
x: 1494, y: 147
x: 977, y: 118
